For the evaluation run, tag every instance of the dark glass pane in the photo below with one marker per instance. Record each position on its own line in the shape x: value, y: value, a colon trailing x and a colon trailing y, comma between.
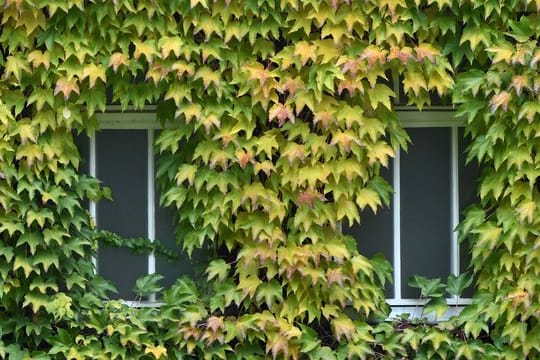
x: 82, y: 142
x: 122, y: 165
x: 83, y: 145
x: 375, y: 233
x: 165, y: 225
x: 468, y: 194
x: 425, y: 206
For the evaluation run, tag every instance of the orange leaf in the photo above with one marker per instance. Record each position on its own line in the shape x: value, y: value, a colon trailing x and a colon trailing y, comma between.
x: 66, y: 87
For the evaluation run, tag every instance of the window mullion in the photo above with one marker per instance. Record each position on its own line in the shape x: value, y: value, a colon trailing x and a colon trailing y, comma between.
x: 455, y: 201
x: 397, y: 226
x: 92, y: 206
x: 151, y: 213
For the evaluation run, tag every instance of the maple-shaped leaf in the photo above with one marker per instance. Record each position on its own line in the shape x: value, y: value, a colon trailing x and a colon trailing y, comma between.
x: 381, y: 152
x: 93, y: 72
x: 381, y: 94
x: 16, y: 66
x: 266, y: 144
x: 157, y: 72
x: 351, y: 85
x: 305, y: 51
x: 281, y: 112
x: 352, y: 66
x: 368, y: 197
x: 345, y: 139
x: 146, y: 48
x: 118, y: 59
x: 415, y: 81
x: 343, y: 326
x: 158, y: 351
x: 426, y: 51
x: 503, y: 52
x: 404, y: 54
x: 208, y: 76
x: 334, y: 276
x: 374, y: 54
x: 519, y: 82
x: 248, y: 285
x: 294, y: 151
x: 277, y: 344
x: 520, y: 55
x: 291, y: 85
x: 215, y: 323
x: 502, y: 99
x: 270, y: 292
x: 308, y: 197
x: 327, y: 49
x: 244, y: 157
x: 66, y: 87
x: 392, y: 6
x: 529, y: 110
x: 324, y: 117
x: 37, y: 58
x: 182, y: 67
x: 258, y: 72
x: 476, y: 34
x: 169, y: 44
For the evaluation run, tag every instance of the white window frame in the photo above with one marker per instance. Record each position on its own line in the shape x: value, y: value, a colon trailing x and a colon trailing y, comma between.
x: 147, y: 121
x: 114, y: 118
x: 443, y: 117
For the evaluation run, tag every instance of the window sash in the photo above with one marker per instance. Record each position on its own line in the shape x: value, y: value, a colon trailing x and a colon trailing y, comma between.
x: 409, y: 118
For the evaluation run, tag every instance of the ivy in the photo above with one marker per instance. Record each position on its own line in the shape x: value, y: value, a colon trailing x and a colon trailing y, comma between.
x: 281, y: 118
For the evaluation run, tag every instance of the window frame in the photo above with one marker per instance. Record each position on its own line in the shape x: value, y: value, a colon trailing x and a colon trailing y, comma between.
x: 115, y: 119
x: 440, y: 116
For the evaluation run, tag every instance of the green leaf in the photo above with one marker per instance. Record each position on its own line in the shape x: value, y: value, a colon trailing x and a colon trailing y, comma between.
x: 36, y: 301
x: 218, y: 269
x: 428, y: 287
x: 455, y: 285
x: 148, y: 284
x: 270, y: 292
x: 437, y: 305
x: 381, y: 94
x: 16, y: 66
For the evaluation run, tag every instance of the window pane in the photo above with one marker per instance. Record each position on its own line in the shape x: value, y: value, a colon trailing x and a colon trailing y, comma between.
x: 83, y: 145
x: 425, y: 206
x: 375, y: 233
x: 165, y: 225
x: 468, y: 184
x: 122, y: 165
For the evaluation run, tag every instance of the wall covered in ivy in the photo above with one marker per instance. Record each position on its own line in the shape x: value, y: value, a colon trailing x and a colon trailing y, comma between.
x: 279, y: 117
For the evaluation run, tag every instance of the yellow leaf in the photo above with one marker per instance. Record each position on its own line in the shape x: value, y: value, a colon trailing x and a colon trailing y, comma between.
x: 504, y: 52
x: 305, y: 51
x: 368, y: 197
x: 158, y: 351
x: 381, y: 152
x: 93, y: 72
x: 169, y: 44
x: 525, y: 211
x: 144, y: 48
x: 342, y: 326
x: 118, y: 59
x: 38, y: 58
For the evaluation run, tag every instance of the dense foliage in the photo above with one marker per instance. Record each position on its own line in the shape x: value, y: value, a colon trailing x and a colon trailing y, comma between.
x: 281, y: 115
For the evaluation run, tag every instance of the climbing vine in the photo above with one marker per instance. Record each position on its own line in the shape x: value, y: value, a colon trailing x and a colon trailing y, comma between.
x: 279, y: 118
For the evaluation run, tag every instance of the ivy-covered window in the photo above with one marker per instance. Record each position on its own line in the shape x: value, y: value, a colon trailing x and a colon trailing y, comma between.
x: 121, y: 155
x: 432, y: 186
x: 416, y: 234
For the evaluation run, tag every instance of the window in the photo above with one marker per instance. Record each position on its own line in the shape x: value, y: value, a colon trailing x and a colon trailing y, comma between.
x: 121, y: 155
x: 431, y: 181
x: 432, y: 186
